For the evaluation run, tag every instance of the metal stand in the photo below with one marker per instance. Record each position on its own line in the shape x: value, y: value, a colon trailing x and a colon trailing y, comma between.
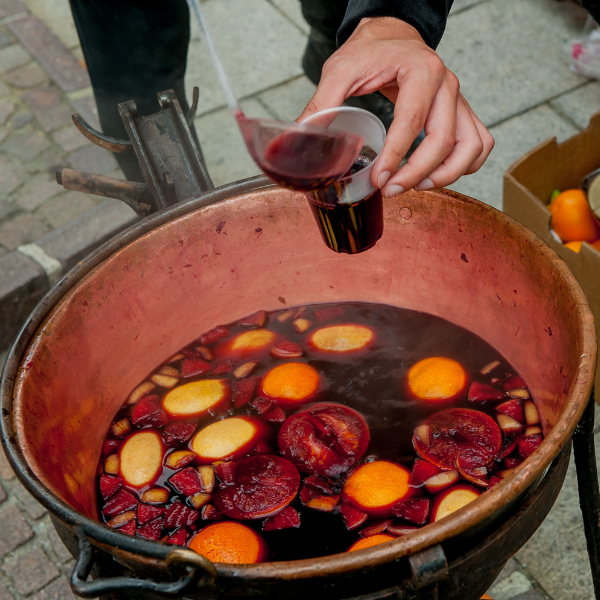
x: 589, y: 493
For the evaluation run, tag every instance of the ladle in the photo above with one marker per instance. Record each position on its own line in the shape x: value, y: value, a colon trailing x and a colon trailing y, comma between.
x: 297, y: 156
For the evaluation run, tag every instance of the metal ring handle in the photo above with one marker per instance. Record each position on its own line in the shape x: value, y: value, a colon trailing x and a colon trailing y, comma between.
x: 192, y: 563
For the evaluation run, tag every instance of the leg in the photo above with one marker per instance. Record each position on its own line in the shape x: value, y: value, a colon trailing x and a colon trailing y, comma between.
x: 133, y: 50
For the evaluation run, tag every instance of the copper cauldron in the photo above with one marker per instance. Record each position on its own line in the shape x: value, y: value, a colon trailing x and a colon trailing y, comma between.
x: 251, y: 246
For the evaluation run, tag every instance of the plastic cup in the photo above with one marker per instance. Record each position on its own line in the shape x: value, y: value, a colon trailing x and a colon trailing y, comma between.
x: 349, y: 212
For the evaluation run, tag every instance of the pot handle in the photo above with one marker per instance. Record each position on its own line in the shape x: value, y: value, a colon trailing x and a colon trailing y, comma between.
x: 193, y: 564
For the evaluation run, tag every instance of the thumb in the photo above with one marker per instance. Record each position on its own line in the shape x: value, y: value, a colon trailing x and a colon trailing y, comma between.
x: 331, y: 92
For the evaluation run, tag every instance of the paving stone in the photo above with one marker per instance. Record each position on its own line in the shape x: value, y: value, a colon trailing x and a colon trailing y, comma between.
x: 57, y: 590
x: 6, y: 209
x: 87, y: 108
x: 6, y: 471
x: 506, y: 66
x: 12, y: 176
x: 2, y: 495
x: 30, y: 571
x: 93, y: 159
x: 515, y: 584
x: 26, y: 77
x: 31, y: 506
x: 12, y: 57
x: 254, y: 62
x: 21, y: 230
x: 4, y: 593
x: 77, y: 239
x: 287, y: 101
x: 56, y: 14
x: 459, y: 5
x: 15, y: 530
x: 513, y: 139
x: 6, y: 109
x: 36, y: 191
x: 4, y: 90
x: 47, y: 107
x: 51, y: 53
x: 49, y: 161
x: 11, y: 7
x: 66, y: 207
x: 25, y: 146
x: 292, y: 10
x: 580, y: 104
x: 532, y: 595
x: 5, y: 39
x: 227, y: 157
x: 3, y: 133
x: 21, y: 120
x: 57, y: 545
x: 509, y: 568
x: 70, y: 139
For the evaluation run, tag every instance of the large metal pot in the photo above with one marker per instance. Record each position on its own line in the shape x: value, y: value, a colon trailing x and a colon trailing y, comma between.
x: 253, y: 246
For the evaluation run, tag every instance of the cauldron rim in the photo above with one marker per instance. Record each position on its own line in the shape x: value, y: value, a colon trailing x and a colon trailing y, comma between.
x: 438, y: 532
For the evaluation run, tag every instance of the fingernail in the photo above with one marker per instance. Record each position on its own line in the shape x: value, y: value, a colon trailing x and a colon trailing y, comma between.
x: 383, y: 178
x: 393, y: 190
x: 426, y: 184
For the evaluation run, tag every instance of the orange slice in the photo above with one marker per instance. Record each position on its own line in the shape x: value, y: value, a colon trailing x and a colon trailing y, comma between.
x: 230, y: 542
x: 293, y: 382
x: 370, y: 541
x: 141, y: 458
x: 342, y: 338
x: 436, y: 378
x: 252, y: 341
x: 196, y: 398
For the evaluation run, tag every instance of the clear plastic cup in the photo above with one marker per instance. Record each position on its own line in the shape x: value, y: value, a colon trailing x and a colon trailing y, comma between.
x: 349, y: 212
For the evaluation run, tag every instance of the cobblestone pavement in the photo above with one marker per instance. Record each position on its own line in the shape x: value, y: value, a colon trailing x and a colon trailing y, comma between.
x: 509, y: 58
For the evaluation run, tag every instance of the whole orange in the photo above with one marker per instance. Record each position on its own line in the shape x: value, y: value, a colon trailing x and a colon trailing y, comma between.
x: 572, y: 218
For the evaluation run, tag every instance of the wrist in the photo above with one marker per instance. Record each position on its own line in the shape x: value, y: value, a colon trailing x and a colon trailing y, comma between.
x: 386, y: 28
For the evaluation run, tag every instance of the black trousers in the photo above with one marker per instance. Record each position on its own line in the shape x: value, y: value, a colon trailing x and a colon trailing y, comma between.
x: 136, y: 48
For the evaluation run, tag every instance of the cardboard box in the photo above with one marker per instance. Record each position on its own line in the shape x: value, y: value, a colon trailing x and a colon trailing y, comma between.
x: 528, y: 185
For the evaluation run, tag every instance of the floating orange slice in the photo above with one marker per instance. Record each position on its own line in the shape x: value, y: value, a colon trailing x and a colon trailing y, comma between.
x: 342, y: 338
x: 141, y: 458
x: 230, y: 542
x: 196, y: 398
x: 252, y: 341
x: 293, y: 382
x: 370, y: 541
x: 436, y: 378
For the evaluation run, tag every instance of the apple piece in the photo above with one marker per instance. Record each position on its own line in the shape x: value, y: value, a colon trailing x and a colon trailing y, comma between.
x: 422, y: 471
x: 243, y: 393
x: 186, y: 482
x: 179, y: 537
x: 300, y: 311
x: 211, y: 513
x: 342, y: 338
x: 424, y: 434
x: 513, y: 382
x: 121, y: 519
x: 204, y: 352
x: 441, y: 481
x: 178, y: 433
x: 353, y: 518
x: 122, y: 501
x: 257, y: 319
x: 532, y: 430
x: 245, y: 369
x: 111, y: 464
x: 194, y: 366
x: 228, y: 439
x: 129, y: 528
x: 264, y: 484
x: 459, y: 429
x: 141, y: 458
x: 110, y: 446
x: 147, y: 512
x: 109, y: 486
x: 508, y: 445
x: 512, y: 408
x: 528, y: 445
x: 286, y: 349
x: 451, y: 500
x: 229, y: 543
x: 327, y: 314
x: 508, y: 425
x: 207, y: 478
x: 370, y: 541
x: 121, y: 428
x: 179, y: 515
x: 169, y: 371
x: 301, y: 325
x: 179, y: 459
x: 400, y: 529
x: 225, y: 471
x: 285, y: 519
x: 156, y: 495
x: 262, y: 405
x: 376, y: 487
x: 148, y: 411
x: 436, y: 379
x: 532, y: 416
x: 284, y: 316
x: 325, y: 438
x: 220, y: 367
x: 414, y: 511
x: 323, y: 503
x: 375, y: 528
x: 510, y: 462
x: 489, y: 367
x: 291, y: 384
x: 476, y: 475
x: 519, y: 393
x: 494, y: 480
x: 176, y: 358
x: 252, y: 342
x: 197, y: 398
x: 140, y: 391
x: 199, y: 499
x: 164, y: 381
x: 275, y: 415
x: 482, y: 392
x: 152, y: 530
x: 214, y: 335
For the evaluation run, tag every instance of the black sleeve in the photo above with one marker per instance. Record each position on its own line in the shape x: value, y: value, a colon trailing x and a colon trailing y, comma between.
x: 428, y: 17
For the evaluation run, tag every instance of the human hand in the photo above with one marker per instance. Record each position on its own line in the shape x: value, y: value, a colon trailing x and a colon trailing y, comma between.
x: 389, y: 55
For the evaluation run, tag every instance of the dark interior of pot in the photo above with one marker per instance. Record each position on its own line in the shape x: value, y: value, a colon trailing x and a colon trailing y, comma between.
x: 441, y: 253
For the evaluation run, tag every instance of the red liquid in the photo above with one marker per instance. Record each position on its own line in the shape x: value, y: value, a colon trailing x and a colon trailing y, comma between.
x: 371, y: 381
